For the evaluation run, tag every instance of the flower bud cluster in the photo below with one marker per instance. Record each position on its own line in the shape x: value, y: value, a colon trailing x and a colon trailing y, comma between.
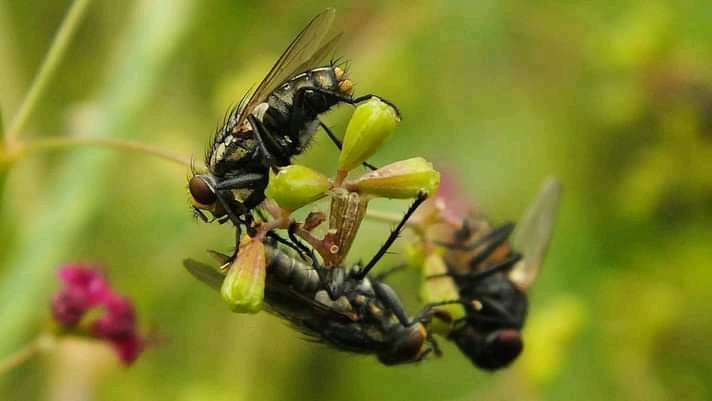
x: 86, y: 290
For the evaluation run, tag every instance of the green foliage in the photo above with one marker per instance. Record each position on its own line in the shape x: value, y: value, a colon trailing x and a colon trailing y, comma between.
x: 614, y: 98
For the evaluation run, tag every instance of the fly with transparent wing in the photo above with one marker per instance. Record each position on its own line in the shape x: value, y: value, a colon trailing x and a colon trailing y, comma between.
x: 273, y: 125
x: 492, y: 279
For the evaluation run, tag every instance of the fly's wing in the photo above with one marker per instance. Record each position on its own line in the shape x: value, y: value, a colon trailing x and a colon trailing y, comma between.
x: 318, y: 57
x: 533, y: 233
x: 300, y: 55
x: 292, y: 305
x: 205, y: 273
x: 286, y: 301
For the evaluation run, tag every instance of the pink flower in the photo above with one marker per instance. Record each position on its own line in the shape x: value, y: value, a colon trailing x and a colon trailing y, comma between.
x: 86, y: 288
x: 87, y: 279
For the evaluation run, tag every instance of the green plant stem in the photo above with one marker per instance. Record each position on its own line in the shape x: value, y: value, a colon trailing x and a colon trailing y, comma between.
x: 54, y: 56
x: 45, y: 239
x: 42, y: 343
x: 54, y: 143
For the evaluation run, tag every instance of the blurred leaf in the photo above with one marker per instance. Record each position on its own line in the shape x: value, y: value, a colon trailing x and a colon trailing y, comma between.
x: 549, y: 335
x: 3, y: 162
x: 53, y: 58
x: 49, y: 238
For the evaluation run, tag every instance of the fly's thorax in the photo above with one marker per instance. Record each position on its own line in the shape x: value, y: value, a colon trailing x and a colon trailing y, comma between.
x: 231, y: 153
x: 234, y: 146
x: 502, y: 304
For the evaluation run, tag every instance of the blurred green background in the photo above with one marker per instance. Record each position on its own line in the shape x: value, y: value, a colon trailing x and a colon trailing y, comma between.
x: 615, y: 98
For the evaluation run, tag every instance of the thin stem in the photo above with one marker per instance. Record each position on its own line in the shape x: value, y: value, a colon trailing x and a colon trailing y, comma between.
x: 49, y: 66
x: 40, y: 344
x: 48, y: 144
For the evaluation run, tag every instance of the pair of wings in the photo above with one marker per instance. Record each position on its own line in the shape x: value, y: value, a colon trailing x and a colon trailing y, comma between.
x: 306, y: 51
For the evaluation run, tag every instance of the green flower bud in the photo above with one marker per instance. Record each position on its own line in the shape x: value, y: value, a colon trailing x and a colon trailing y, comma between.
x: 440, y: 288
x: 244, y: 285
x: 371, y: 125
x: 403, y: 179
x: 295, y: 186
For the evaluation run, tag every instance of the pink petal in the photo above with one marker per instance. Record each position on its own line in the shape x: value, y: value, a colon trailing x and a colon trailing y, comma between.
x: 69, y: 305
x: 128, y: 349
x: 86, y: 278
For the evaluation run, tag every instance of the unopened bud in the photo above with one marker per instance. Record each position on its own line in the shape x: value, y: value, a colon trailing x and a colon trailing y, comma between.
x: 371, y: 125
x: 403, y: 179
x: 295, y: 186
x: 244, y: 285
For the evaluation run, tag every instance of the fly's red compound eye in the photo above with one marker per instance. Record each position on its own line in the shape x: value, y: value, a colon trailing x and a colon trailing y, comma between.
x: 201, y: 191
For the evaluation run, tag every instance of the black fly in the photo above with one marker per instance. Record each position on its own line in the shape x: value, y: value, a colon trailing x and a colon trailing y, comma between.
x: 493, y: 280
x: 274, y: 124
x: 341, y: 306
x: 366, y: 317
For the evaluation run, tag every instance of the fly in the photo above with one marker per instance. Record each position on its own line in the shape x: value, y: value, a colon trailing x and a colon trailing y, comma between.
x: 493, y: 280
x: 274, y: 124
x: 366, y: 316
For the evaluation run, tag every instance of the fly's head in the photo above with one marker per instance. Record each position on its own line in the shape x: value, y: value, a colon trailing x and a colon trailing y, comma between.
x: 204, y: 198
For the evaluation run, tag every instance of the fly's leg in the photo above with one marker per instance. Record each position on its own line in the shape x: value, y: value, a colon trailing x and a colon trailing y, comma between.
x: 391, y: 302
x: 229, y: 204
x: 384, y: 274
x: 241, y: 181
x: 474, y: 277
x: 339, y: 145
x: 349, y: 99
x: 274, y: 152
x: 278, y: 238
x: 436, y: 347
x: 391, y: 238
x: 303, y: 250
x: 332, y: 280
x: 299, y: 103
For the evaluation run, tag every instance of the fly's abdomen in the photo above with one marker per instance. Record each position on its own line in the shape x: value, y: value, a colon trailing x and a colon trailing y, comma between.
x: 295, y: 105
x: 325, y: 78
x: 292, y: 272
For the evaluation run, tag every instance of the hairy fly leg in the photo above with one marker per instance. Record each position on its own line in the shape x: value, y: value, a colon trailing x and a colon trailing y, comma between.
x: 332, y: 280
x: 349, y: 99
x: 339, y: 145
x: 361, y: 273
x: 275, y: 153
